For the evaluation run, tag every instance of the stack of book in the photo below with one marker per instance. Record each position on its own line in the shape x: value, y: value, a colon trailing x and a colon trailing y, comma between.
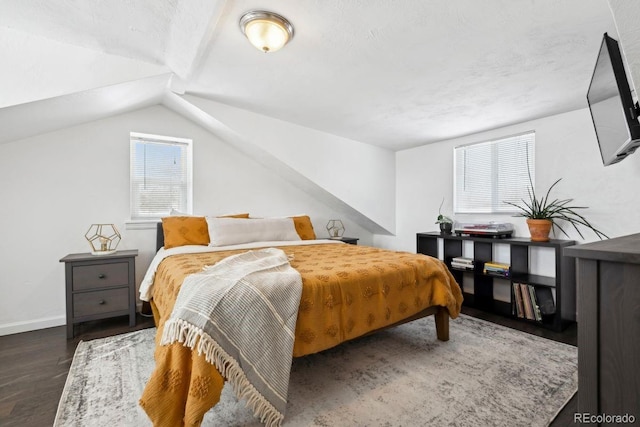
x: 496, y: 268
x: 533, y: 302
x: 462, y: 263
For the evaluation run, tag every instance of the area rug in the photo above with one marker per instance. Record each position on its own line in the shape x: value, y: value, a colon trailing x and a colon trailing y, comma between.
x: 485, y: 375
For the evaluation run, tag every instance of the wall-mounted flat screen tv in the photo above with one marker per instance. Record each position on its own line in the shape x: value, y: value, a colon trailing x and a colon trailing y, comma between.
x: 614, y: 113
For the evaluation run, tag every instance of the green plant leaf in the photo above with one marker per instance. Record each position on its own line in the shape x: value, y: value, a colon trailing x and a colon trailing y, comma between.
x: 554, y: 210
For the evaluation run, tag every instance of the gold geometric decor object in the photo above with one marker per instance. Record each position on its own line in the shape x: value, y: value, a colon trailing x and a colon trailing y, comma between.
x: 103, y: 238
x: 335, y: 228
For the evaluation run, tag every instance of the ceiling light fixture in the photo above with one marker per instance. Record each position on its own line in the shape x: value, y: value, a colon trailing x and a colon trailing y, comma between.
x: 267, y: 31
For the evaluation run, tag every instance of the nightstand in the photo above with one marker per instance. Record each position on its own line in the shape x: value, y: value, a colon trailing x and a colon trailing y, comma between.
x: 100, y: 286
x: 350, y: 240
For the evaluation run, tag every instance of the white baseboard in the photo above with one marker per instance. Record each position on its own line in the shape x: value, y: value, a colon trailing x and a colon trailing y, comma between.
x: 32, y: 325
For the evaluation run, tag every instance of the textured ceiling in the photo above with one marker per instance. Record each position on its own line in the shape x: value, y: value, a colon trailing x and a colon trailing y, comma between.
x: 136, y: 29
x: 396, y: 74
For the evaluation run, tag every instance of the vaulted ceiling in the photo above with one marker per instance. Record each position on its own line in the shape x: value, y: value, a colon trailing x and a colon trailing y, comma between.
x: 392, y: 73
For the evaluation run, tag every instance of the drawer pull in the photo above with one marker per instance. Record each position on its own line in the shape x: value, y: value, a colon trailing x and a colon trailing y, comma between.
x: 102, y: 302
x: 101, y: 276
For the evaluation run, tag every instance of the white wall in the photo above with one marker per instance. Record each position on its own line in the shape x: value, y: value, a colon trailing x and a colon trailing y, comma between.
x: 54, y: 186
x: 566, y: 147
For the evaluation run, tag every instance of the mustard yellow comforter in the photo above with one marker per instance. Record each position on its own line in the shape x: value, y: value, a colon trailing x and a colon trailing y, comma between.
x: 347, y: 291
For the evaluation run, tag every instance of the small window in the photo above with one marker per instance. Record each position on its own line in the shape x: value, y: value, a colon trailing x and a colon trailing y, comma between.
x: 161, y: 175
x: 489, y: 173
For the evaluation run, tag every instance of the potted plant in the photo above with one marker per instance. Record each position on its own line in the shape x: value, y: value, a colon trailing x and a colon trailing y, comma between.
x: 544, y: 213
x: 446, y: 223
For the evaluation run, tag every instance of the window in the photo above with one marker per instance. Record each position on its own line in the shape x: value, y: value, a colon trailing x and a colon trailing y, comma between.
x: 489, y: 173
x: 161, y: 175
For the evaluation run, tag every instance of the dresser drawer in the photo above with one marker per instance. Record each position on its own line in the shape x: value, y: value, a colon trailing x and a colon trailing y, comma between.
x: 98, y: 302
x: 100, y: 275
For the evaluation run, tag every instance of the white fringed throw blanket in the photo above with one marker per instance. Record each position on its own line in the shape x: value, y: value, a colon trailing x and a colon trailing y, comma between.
x: 241, y: 313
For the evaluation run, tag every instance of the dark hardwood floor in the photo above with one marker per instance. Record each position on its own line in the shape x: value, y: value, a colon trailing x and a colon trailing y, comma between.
x: 34, y: 365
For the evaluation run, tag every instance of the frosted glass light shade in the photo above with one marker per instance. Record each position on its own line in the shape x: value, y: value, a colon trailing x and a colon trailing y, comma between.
x: 267, y: 31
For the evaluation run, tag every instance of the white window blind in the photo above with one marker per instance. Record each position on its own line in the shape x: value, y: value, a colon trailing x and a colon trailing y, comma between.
x: 489, y: 173
x: 161, y: 175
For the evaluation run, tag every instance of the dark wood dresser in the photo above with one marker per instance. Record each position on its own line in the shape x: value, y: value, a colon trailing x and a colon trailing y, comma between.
x: 608, y: 287
x: 99, y: 287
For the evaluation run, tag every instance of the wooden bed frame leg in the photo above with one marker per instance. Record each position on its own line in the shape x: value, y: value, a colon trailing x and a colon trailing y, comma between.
x: 442, y: 324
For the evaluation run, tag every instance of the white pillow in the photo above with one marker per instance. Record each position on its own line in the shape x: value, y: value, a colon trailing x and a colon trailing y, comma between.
x: 175, y: 212
x: 233, y: 231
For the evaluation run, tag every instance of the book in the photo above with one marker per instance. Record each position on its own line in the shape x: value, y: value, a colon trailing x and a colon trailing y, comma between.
x: 536, y: 310
x: 518, y: 300
x: 496, y: 271
x: 496, y: 265
x: 463, y: 266
x: 526, y: 299
x: 496, y: 268
x: 499, y: 274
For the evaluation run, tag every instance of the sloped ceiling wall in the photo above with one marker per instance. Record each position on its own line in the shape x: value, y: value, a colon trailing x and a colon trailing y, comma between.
x: 59, y: 112
x: 355, y: 179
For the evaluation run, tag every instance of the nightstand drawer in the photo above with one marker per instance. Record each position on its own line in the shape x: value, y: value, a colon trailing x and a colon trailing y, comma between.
x: 100, y: 275
x: 92, y: 303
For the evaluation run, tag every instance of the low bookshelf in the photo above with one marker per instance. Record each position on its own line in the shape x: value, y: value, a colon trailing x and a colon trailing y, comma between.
x: 561, y: 286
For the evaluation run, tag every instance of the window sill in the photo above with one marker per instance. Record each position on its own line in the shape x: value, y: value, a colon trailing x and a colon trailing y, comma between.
x: 141, y: 224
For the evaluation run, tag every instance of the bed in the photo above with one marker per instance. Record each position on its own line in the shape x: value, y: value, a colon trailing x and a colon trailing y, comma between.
x: 347, y: 291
